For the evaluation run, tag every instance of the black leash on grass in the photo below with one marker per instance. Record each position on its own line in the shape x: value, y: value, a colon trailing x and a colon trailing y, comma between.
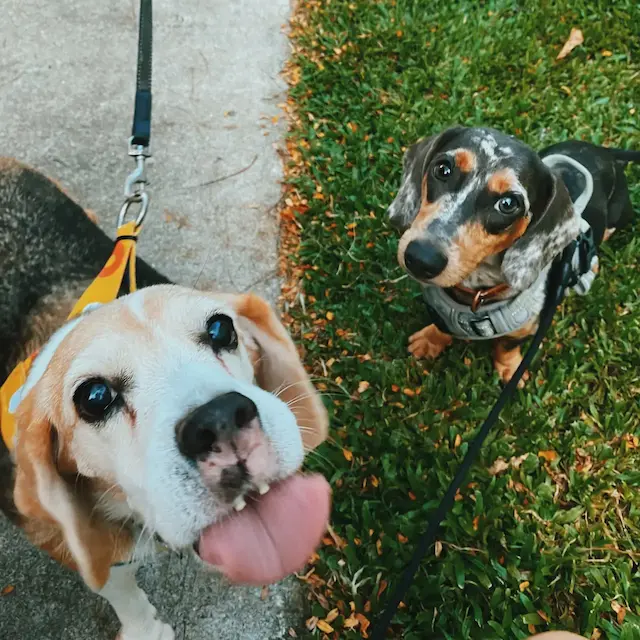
x: 563, y: 274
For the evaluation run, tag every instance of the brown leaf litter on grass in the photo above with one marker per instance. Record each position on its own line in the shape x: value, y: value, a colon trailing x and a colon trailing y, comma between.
x: 574, y: 40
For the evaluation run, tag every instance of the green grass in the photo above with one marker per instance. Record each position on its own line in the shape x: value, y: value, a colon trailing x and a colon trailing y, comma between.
x: 548, y: 543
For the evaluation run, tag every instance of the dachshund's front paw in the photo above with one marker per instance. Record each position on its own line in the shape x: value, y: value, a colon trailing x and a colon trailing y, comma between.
x: 429, y: 342
x: 506, y: 363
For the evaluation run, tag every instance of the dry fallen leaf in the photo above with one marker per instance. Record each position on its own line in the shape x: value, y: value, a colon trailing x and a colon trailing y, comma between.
x: 347, y: 454
x: 575, y: 39
x: 332, y: 615
x: 549, y: 455
x: 498, y: 466
x: 324, y: 626
x: 619, y: 610
x: 543, y: 615
x: 516, y: 461
x: 438, y: 548
x: 606, y: 53
x: 311, y: 623
x: 351, y: 622
x: 363, y: 386
x: 364, y: 624
x: 7, y: 590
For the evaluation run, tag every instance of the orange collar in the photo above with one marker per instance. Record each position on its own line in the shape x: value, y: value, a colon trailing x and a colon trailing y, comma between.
x: 480, y: 296
x: 103, y: 289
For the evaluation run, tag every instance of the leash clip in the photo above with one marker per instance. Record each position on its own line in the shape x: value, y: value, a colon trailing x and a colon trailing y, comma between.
x: 134, y: 186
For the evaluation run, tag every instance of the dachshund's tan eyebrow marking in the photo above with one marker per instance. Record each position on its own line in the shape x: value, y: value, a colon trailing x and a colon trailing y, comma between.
x: 465, y: 160
x: 503, y: 181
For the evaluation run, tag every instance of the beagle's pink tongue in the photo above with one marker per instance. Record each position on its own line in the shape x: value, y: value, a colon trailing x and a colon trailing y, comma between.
x: 272, y: 536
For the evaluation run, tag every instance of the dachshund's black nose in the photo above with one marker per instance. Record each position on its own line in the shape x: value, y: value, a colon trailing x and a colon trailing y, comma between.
x: 424, y: 260
x: 220, y: 419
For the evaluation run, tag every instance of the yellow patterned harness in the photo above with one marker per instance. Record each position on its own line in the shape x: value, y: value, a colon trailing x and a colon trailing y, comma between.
x: 103, y: 289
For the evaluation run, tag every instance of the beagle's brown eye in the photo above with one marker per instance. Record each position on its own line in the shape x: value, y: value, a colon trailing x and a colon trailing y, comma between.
x: 509, y: 204
x: 442, y: 170
x: 93, y: 399
x: 222, y: 334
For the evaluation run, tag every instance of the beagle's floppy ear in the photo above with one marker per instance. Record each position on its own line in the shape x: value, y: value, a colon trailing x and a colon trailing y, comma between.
x: 279, y: 369
x: 553, y: 225
x: 53, y: 516
x: 406, y: 205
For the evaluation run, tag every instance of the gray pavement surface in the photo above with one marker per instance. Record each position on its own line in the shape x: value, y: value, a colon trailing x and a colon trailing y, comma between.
x: 67, y: 71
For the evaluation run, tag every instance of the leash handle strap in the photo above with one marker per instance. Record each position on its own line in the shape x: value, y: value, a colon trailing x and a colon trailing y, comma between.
x: 141, y: 129
x: 559, y: 278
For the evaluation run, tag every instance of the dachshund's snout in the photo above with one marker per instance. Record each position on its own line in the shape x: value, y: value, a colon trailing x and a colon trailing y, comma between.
x: 424, y: 260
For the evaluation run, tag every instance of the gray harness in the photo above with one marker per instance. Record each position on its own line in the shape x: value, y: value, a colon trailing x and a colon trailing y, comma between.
x: 506, y: 316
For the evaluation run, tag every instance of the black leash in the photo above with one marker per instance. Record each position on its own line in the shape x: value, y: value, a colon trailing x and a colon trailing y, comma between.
x: 562, y: 275
x: 134, y: 187
x: 141, y: 129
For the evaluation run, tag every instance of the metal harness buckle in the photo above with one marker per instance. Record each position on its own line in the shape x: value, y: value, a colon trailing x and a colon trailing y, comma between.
x: 586, y: 252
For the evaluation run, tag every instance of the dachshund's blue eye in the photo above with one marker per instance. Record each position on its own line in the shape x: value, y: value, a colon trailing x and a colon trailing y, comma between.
x: 93, y: 399
x: 442, y: 170
x: 221, y: 332
x: 509, y: 203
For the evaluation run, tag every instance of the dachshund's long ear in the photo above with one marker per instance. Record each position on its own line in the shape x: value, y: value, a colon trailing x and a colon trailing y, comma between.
x: 404, y: 208
x: 553, y: 225
x: 279, y: 370
x: 53, y: 516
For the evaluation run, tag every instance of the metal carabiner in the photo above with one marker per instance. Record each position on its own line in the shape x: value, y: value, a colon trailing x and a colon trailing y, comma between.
x: 134, y: 186
x: 135, y: 181
x: 143, y: 200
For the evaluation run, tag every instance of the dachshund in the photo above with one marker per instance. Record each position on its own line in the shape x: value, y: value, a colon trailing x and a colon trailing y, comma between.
x: 483, y: 216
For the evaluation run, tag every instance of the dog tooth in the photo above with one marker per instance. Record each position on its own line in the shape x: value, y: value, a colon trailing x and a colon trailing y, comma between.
x: 263, y: 488
x: 239, y: 504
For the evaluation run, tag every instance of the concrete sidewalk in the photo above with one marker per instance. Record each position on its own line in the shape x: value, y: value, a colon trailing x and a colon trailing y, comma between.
x: 67, y: 73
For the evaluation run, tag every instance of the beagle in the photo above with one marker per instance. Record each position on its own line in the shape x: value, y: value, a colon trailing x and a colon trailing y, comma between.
x: 168, y: 415
x: 483, y: 216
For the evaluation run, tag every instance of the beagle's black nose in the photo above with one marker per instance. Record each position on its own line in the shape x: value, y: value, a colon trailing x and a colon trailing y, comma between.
x: 424, y: 260
x: 218, y: 420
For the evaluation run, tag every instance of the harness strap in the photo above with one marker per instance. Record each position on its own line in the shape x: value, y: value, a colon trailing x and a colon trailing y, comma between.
x: 490, y: 320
